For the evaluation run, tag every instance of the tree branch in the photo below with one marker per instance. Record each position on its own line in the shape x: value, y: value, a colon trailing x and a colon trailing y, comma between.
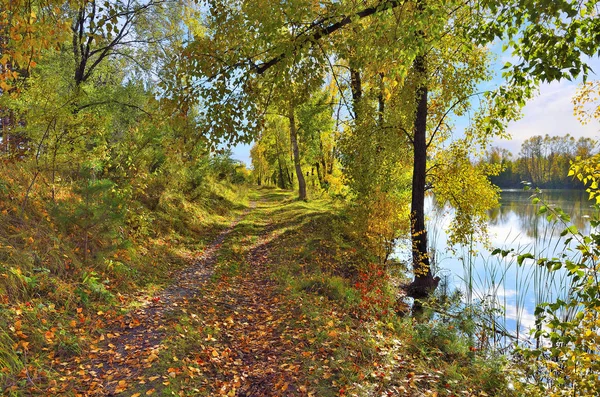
x: 303, y: 39
x: 456, y: 103
x: 112, y: 101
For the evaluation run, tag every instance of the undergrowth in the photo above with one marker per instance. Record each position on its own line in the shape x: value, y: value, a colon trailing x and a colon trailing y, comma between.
x: 349, y: 338
x: 74, y: 255
x: 375, y: 349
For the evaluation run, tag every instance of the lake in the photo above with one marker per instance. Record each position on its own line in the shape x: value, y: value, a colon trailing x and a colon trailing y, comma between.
x: 510, y: 292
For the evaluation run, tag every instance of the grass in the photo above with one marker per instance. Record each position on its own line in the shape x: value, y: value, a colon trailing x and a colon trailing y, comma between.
x: 352, y: 341
x: 54, y: 299
x: 327, y: 310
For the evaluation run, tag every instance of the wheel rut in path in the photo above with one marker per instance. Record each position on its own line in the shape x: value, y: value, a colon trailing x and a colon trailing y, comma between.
x: 258, y: 351
x: 130, y: 347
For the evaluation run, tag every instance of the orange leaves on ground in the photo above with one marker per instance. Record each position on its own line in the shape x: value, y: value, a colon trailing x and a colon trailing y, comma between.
x: 121, y: 386
x: 49, y: 335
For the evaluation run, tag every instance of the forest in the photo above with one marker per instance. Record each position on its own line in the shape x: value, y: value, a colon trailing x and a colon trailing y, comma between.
x: 542, y: 161
x: 137, y: 257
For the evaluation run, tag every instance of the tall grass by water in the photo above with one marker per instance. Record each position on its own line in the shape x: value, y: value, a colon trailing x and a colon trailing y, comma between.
x: 497, y: 294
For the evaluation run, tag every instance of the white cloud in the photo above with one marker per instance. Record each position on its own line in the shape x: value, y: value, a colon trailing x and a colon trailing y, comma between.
x: 521, y: 314
x: 551, y: 112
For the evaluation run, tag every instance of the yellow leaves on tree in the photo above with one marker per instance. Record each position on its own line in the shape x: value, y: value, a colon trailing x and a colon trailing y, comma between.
x: 27, y: 29
x: 385, y: 215
x: 587, y: 102
x: 467, y: 189
x: 587, y: 107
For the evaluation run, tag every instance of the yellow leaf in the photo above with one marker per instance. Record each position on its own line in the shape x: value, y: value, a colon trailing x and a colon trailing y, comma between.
x: 152, y: 357
x: 121, y: 386
x: 150, y: 392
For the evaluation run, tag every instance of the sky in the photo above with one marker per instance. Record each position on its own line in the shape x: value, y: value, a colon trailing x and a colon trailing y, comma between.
x: 242, y: 152
x: 550, y: 112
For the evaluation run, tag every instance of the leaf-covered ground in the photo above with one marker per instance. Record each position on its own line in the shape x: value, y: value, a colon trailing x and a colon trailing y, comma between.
x: 271, y: 307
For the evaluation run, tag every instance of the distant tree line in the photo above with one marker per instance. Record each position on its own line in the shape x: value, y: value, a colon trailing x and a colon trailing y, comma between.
x: 543, y: 161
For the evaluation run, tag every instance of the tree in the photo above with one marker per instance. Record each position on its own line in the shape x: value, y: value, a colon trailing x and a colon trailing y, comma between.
x: 316, y: 132
x: 296, y: 152
x: 543, y: 161
x: 237, y: 64
x: 270, y: 157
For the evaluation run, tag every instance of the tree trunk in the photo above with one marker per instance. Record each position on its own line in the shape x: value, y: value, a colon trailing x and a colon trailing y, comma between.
x: 356, y: 88
x: 319, y: 174
x: 294, y: 141
x: 381, y: 101
x: 424, y: 283
x: 323, y: 161
x: 289, y: 177
x: 280, y: 180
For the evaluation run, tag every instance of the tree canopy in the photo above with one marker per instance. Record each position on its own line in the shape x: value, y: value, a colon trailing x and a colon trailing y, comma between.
x: 117, y: 118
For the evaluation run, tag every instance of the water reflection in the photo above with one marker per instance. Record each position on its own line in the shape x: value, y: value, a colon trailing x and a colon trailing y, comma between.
x: 521, y: 216
x: 499, y: 281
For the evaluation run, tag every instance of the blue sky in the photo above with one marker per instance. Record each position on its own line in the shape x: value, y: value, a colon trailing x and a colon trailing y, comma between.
x: 242, y: 152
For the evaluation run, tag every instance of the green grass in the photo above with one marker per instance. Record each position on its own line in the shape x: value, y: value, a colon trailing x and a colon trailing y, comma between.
x: 351, y: 347
x: 46, y: 285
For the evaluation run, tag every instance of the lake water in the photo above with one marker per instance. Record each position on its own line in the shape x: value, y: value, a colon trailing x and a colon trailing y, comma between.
x: 499, y: 282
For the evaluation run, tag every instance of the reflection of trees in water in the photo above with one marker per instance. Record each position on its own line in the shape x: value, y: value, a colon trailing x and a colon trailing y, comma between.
x: 574, y: 203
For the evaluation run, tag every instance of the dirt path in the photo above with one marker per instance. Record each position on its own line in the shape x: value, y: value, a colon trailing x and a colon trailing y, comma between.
x: 224, y: 327
x: 257, y: 322
x: 131, y: 346
x: 257, y: 316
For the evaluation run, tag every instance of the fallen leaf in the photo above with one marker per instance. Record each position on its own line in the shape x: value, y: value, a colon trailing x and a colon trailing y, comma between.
x: 121, y: 386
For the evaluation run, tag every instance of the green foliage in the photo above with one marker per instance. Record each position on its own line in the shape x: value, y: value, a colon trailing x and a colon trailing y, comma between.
x: 94, y: 212
x: 270, y: 155
x: 566, y: 360
x: 333, y: 287
x: 543, y: 161
x: 225, y: 168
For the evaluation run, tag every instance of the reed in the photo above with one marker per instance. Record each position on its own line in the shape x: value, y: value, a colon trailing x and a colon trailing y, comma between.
x: 501, y: 291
